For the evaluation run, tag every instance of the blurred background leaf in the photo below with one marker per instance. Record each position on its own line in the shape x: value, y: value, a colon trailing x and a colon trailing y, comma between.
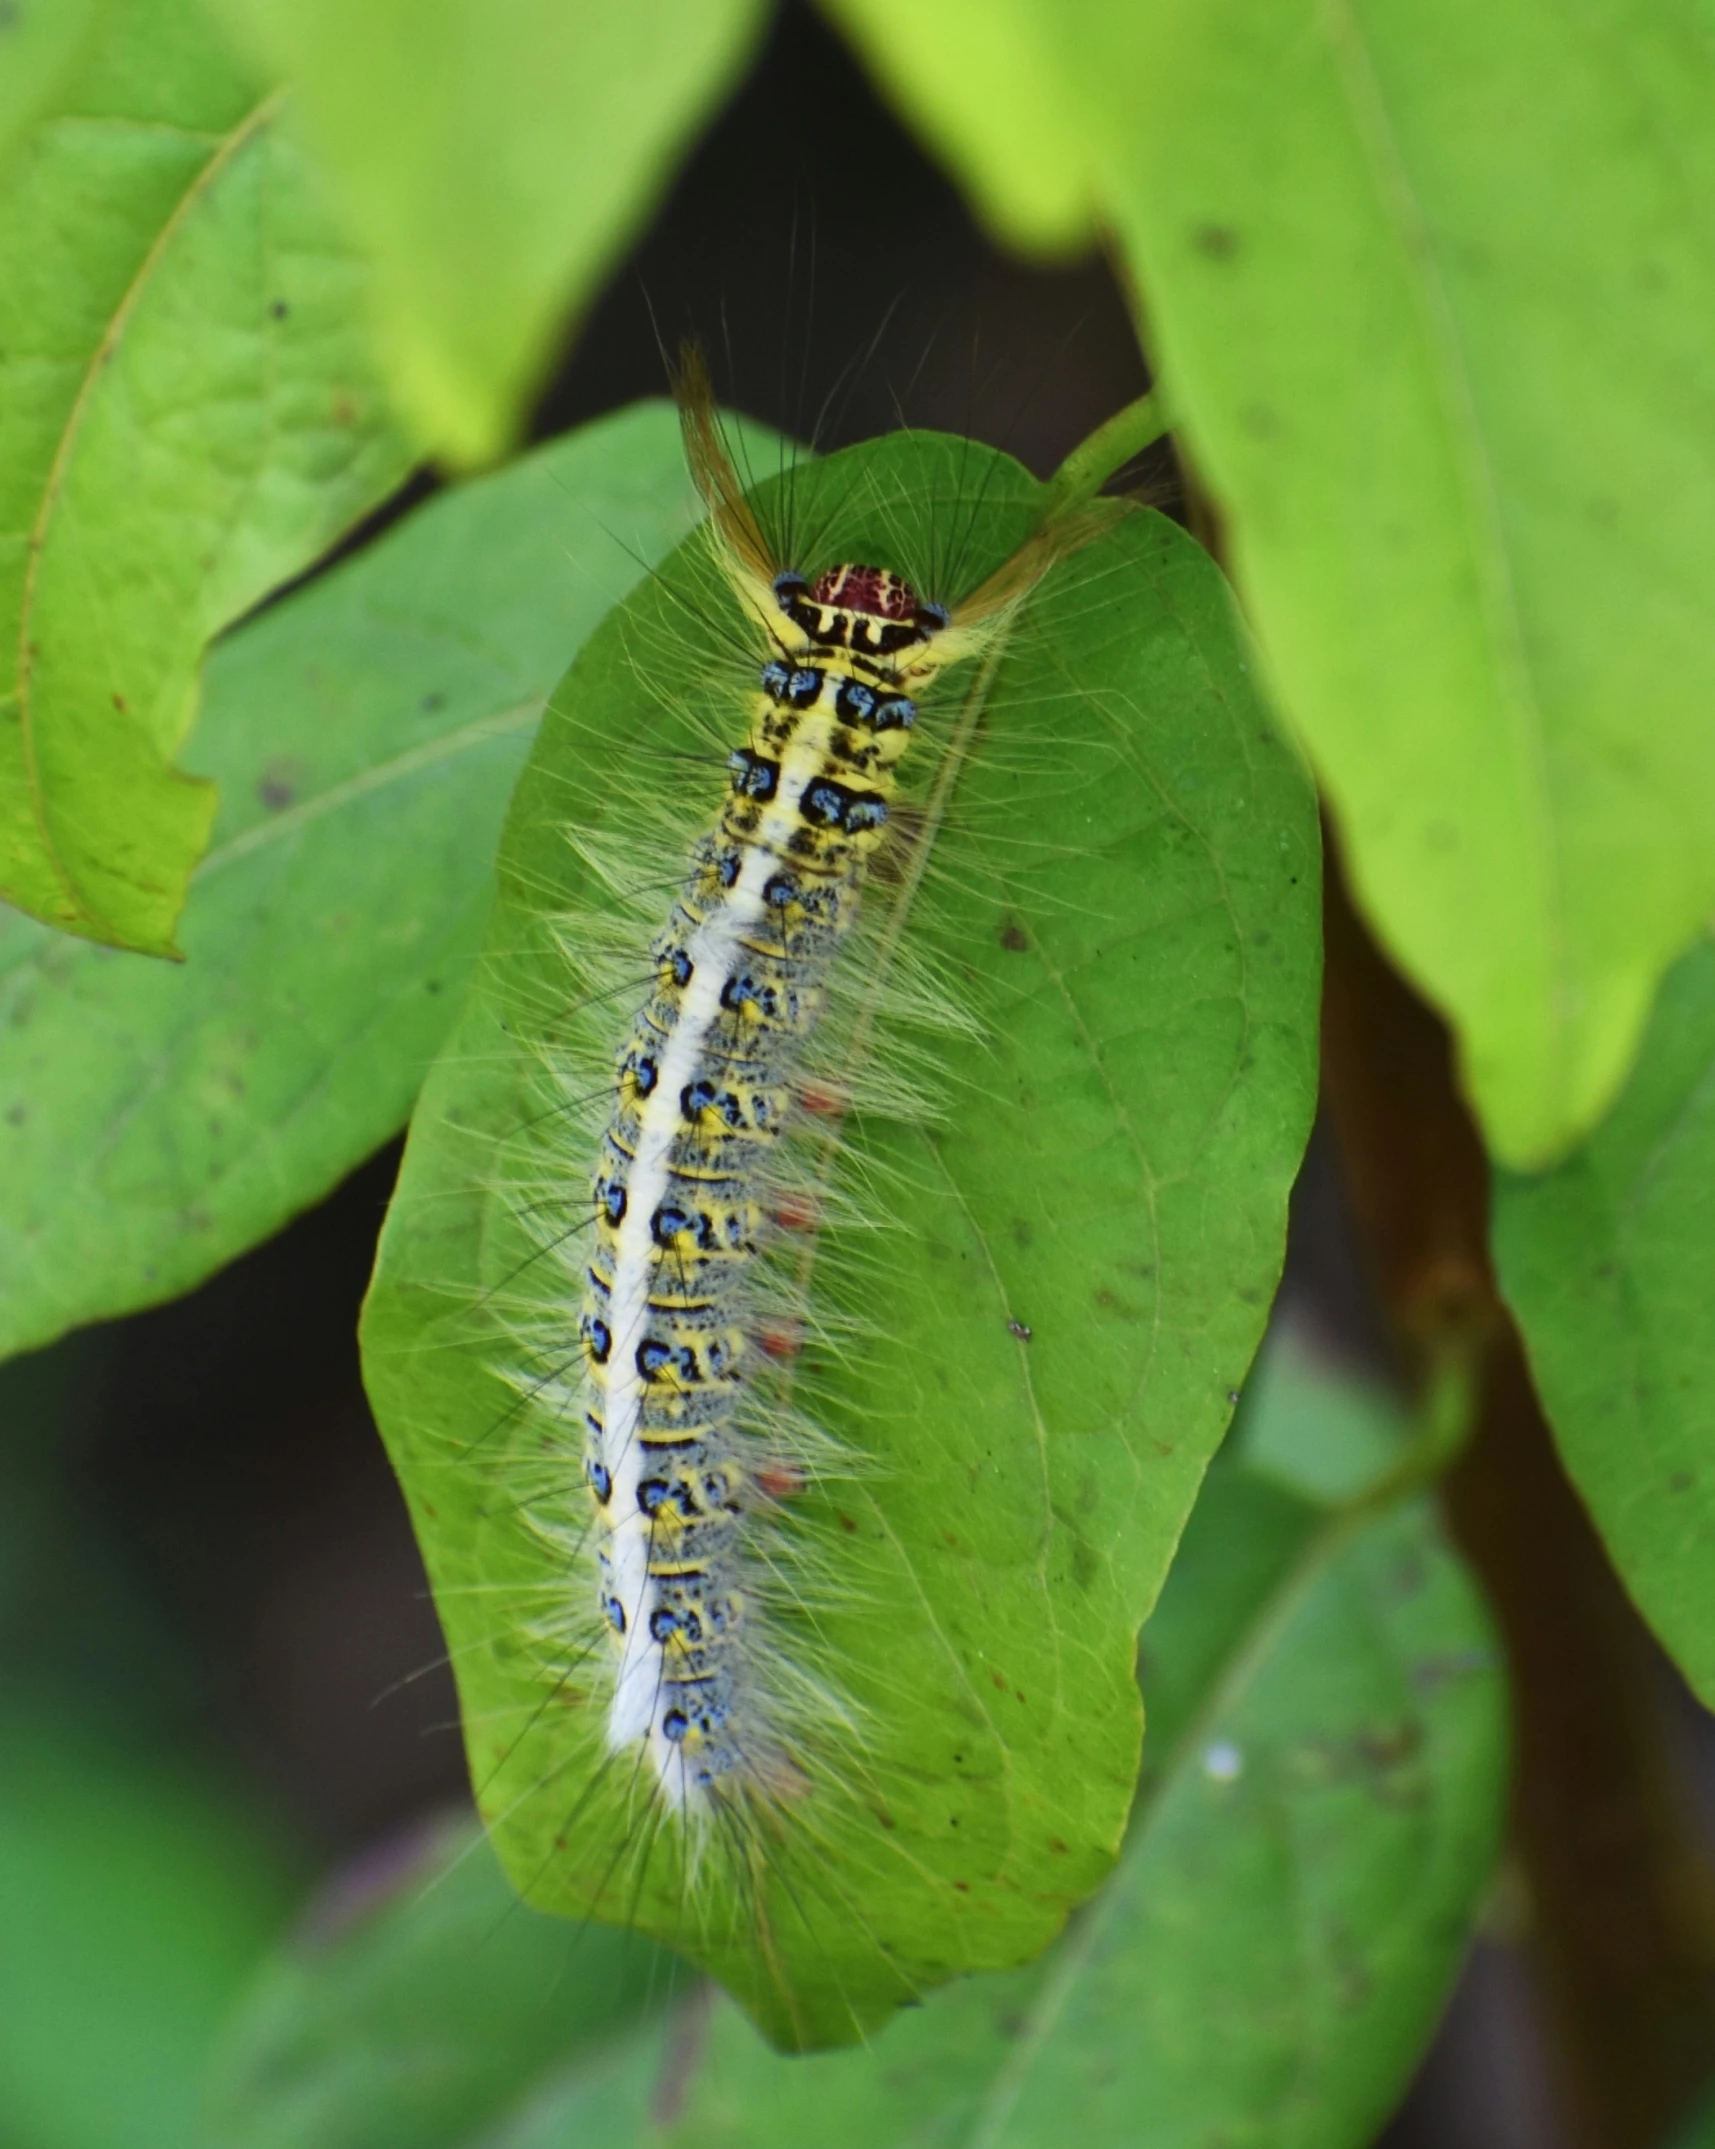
x: 494, y: 158
x: 133, y: 1898
x: 188, y: 415
x: 155, y: 1120
x: 421, y: 2004
x: 1430, y: 295
x: 1609, y: 1266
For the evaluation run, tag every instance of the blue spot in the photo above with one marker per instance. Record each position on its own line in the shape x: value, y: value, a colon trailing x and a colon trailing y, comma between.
x: 601, y: 1481
x: 670, y: 1220
x: 674, y: 1725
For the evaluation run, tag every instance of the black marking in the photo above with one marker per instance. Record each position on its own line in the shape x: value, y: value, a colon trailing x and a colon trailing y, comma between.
x: 610, y: 1199
x: 598, y: 1336
x: 601, y: 1480
x: 753, y: 775
x: 856, y: 703
x: 826, y: 804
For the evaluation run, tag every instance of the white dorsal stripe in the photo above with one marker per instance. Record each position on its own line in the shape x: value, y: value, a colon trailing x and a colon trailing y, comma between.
x: 715, y: 952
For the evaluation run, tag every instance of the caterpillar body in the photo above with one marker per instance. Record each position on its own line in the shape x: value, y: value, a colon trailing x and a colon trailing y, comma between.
x: 768, y: 1320
x: 705, y: 1087
x: 705, y: 1092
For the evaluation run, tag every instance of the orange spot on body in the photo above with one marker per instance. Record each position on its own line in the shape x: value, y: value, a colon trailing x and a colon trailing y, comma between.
x: 781, y: 1339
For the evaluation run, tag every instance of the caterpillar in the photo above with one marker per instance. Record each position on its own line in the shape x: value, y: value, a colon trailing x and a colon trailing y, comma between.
x: 803, y: 1320
x: 706, y: 1091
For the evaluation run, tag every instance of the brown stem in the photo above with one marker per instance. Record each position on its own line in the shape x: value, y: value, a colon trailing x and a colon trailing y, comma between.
x: 1621, y: 1894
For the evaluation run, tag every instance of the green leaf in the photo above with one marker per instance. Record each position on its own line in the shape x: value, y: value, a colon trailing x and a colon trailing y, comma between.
x: 1318, y: 1822
x: 1123, y: 906
x: 422, y: 2011
x: 134, y: 1901
x: 1431, y: 295
x: 156, y: 1120
x: 187, y: 418
x: 1609, y: 1265
x: 495, y: 161
x: 42, y: 42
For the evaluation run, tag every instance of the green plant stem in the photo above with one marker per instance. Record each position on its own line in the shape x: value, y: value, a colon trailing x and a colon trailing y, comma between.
x: 1109, y: 448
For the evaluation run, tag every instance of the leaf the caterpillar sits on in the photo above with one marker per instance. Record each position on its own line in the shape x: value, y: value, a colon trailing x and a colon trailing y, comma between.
x: 946, y: 1353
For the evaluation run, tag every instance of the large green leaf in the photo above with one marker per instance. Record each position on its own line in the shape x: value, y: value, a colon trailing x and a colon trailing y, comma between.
x: 1609, y: 1264
x: 494, y: 157
x: 1123, y: 905
x: 1431, y: 290
x: 187, y: 417
x: 157, y: 1119
x: 1319, y: 1816
x: 411, y: 2014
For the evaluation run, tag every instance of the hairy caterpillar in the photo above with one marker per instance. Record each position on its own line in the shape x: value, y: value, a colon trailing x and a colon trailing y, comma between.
x: 977, y: 1396
x: 707, y: 1087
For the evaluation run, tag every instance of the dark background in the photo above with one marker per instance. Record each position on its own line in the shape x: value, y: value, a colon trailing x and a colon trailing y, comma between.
x: 203, y: 1539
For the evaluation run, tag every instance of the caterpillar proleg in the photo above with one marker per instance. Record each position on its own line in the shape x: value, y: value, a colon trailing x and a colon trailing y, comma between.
x: 827, y: 1246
